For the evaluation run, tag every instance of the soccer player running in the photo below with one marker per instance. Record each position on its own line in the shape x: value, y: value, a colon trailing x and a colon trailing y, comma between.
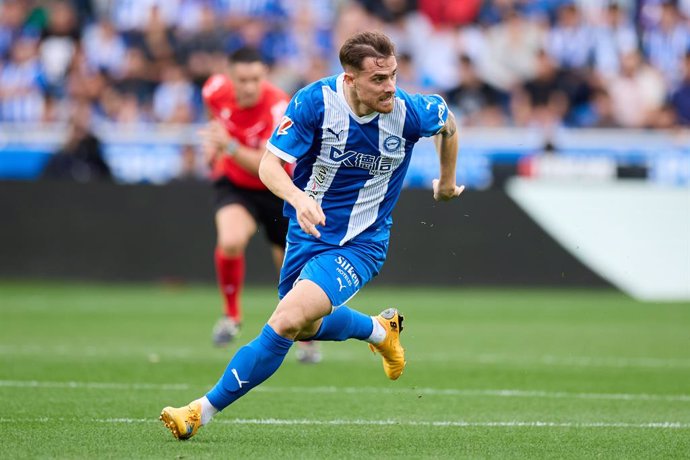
x: 351, y: 137
x: 244, y: 108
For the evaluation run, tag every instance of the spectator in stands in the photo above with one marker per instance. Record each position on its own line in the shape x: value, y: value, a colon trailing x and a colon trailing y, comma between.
x: 541, y: 101
x: 132, y: 17
x: 450, y: 12
x: 130, y: 111
x: 637, y: 93
x: 600, y: 113
x: 477, y: 103
x: 614, y: 37
x: 309, y: 40
x: 13, y: 14
x: 512, y: 49
x: 569, y: 42
x: 58, y: 44
x: 157, y: 39
x: 259, y: 24
x: 21, y: 83
x: 128, y: 44
x: 138, y: 77
x: 84, y: 82
x: 203, y: 48
x: 681, y: 98
x: 407, y: 76
x: 667, y: 43
x: 173, y: 99
x: 389, y: 10
x: 104, y: 48
x: 81, y: 158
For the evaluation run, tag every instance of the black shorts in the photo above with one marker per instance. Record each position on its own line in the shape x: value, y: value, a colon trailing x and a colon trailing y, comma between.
x: 264, y: 206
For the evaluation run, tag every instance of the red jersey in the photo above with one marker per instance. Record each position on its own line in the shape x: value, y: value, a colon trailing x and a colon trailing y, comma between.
x: 250, y: 126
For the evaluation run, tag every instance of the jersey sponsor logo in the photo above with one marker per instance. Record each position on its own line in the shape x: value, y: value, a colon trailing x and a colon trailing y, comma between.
x: 392, y: 143
x: 285, y: 124
x: 375, y: 164
x: 338, y: 155
x: 320, y: 174
x: 347, y: 271
x: 316, y: 190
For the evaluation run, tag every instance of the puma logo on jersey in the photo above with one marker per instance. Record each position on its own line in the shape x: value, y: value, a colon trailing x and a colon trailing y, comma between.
x: 337, y: 135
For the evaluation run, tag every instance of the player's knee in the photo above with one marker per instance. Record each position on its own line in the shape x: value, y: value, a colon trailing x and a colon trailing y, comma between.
x: 232, y: 247
x: 287, y: 323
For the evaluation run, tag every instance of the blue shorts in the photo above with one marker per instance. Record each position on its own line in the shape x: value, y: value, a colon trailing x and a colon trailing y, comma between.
x: 341, y: 271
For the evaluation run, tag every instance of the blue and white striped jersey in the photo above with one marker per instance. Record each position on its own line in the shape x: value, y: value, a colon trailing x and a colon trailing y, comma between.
x: 353, y: 166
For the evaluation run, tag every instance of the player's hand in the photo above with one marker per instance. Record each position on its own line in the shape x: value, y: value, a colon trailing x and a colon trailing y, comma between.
x: 211, y: 152
x: 309, y: 215
x: 444, y: 192
x: 214, y: 141
x: 214, y: 132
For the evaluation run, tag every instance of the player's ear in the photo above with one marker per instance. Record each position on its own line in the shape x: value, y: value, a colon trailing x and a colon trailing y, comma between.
x: 349, y: 77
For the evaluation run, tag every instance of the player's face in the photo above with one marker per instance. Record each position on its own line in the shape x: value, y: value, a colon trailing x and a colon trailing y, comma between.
x: 374, y: 85
x: 247, y: 78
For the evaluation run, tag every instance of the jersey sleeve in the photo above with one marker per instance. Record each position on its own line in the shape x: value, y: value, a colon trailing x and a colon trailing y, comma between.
x: 214, y: 91
x: 294, y: 135
x: 432, y: 113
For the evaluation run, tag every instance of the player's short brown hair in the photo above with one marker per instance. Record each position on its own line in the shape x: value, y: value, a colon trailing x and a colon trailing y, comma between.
x: 363, y: 45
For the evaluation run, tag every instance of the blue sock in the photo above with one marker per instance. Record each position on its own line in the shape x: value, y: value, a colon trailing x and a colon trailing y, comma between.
x: 344, y: 323
x: 251, y: 365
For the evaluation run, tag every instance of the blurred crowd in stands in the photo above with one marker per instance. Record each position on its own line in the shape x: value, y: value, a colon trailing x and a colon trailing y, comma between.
x: 544, y: 63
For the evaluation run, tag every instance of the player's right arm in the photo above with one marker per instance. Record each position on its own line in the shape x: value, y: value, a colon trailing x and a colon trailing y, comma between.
x: 308, y: 211
x: 215, y: 91
x: 293, y: 138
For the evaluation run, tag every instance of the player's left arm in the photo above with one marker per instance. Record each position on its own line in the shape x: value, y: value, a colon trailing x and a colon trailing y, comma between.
x: 446, y: 140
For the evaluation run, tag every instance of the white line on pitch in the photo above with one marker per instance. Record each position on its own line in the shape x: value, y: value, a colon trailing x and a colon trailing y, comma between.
x: 501, y: 393
x: 359, y: 422
x: 344, y: 355
x: 509, y: 393
x: 92, y: 385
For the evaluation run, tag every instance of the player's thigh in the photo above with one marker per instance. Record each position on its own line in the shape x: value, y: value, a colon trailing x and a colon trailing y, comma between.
x: 235, y: 226
x: 301, y: 310
x: 339, y: 272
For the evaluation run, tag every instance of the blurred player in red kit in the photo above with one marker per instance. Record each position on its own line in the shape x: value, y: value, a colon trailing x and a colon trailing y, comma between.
x: 244, y: 109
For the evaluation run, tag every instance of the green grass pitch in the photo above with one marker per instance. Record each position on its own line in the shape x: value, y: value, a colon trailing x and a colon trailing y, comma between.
x: 492, y: 373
